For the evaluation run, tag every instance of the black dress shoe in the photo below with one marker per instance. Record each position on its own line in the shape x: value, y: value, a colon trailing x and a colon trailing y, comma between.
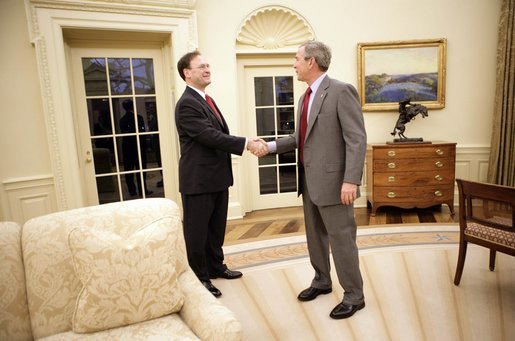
x: 212, y: 289
x: 311, y: 293
x: 343, y: 310
x: 227, y: 274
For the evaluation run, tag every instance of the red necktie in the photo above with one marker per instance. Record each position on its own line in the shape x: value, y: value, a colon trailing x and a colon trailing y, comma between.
x: 212, y: 105
x: 303, y: 124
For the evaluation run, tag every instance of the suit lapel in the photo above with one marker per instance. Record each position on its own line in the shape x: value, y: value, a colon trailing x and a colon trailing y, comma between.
x: 207, y: 108
x: 320, y: 96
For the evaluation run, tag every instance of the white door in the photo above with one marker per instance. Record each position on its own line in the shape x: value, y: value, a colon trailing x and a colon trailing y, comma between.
x: 121, y: 120
x: 272, y: 93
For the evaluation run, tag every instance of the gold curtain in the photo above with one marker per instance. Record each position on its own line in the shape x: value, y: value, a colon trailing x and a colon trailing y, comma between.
x: 501, y: 168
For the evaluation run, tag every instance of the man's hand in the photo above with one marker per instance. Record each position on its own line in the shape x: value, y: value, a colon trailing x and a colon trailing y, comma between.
x: 349, y: 193
x: 258, y: 147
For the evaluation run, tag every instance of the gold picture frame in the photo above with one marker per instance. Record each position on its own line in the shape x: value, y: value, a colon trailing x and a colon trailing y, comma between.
x: 389, y: 72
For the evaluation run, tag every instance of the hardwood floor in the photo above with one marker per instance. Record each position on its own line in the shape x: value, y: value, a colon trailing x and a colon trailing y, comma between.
x: 281, y: 222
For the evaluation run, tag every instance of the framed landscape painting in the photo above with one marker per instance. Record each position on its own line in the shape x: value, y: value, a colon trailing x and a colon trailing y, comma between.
x: 391, y: 72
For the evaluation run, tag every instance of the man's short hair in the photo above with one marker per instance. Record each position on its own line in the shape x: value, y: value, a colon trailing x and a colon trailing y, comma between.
x: 320, y: 51
x: 184, y: 62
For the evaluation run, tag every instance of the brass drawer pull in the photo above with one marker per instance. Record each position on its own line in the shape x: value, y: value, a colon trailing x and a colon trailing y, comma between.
x: 391, y: 165
x: 391, y: 179
x: 391, y: 195
x: 438, y: 193
x: 438, y: 164
x: 438, y: 177
x: 391, y: 153
x: 439, y: 152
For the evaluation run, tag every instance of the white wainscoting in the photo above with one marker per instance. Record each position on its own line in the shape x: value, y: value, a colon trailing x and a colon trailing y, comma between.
x: 236, y: 199
x: 26, y: 198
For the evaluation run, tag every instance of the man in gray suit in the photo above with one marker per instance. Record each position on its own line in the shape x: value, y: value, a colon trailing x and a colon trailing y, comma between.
x: 331, y: 146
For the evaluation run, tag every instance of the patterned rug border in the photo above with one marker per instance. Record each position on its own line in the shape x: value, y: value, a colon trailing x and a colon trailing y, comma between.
x: 283, y: 249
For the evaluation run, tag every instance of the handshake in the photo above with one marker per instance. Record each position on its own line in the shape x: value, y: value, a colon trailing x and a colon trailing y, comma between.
x: 257, y: 146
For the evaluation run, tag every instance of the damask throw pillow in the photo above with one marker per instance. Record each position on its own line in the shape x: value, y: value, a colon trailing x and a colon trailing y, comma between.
x: 124, y: 280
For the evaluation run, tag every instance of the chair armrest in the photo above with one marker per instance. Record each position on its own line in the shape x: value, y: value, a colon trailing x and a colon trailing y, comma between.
x: 204, y: 314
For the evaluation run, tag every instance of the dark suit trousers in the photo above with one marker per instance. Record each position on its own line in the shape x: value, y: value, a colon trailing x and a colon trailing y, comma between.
x: 205, y: 218
x: 333, y: 226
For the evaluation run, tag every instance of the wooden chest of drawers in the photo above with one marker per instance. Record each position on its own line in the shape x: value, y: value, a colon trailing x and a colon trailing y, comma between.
x: 411, y: 175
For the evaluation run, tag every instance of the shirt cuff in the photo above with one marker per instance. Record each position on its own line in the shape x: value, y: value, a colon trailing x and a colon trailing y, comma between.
x: 272, y: 146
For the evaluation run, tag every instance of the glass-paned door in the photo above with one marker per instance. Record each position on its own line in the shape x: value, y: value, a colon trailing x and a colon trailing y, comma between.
x: 273, y: 93
x: 123, y: 154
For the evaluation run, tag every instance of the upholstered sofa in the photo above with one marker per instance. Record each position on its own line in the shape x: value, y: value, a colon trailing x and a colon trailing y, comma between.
x: 110, y: 272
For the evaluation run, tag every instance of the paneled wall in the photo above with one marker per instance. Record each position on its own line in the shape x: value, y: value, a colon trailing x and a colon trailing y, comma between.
x: 26, y: 198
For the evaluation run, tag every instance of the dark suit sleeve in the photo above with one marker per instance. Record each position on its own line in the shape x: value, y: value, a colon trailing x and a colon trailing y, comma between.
x: 354, y: 134
x: 193, y: 121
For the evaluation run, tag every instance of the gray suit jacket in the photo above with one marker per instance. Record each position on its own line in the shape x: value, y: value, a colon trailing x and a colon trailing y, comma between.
x: 335, y: 143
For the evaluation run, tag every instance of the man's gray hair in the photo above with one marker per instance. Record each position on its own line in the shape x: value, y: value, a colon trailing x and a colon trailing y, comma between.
x: 320, y: 51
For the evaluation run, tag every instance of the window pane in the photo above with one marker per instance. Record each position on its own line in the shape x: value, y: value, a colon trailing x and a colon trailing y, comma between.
x: 120, y: 76
x: 123, y: 112
x: 268, y: 180
x: 149, y: 111
x: 265, y: 121
x: 104, y: 160
x: 269, y: 159
x: 129, y: 182
x: 95, y: 76
x: 128, y: 153
x: 99, y: 117
x: 107, y: 188
x: 288, y: 179
x: 154, y: 184
x: 264, y: 91
x: 146, y: 108
x: 154, y: 153
x: 143, y: 76
x: 285, y: 121
x: 146, y: 151
x: 284, y: 90
x: 288, y: 157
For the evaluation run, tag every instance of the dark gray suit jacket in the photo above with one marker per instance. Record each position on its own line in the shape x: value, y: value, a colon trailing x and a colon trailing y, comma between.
x: 335, y: 144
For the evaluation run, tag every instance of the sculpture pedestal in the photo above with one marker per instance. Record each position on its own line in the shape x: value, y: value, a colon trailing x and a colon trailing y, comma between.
x: 409, y: 140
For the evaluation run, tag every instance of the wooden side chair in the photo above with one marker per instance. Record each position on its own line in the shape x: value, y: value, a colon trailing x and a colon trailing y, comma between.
x: 487, y: 216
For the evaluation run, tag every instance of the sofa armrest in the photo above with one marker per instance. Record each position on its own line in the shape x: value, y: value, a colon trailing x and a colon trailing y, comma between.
x: 14, y: 311
x: 204, y: 314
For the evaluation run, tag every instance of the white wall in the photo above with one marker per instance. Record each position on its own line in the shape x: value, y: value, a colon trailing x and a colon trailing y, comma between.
x: 24, y: 152
x: 470, y: 27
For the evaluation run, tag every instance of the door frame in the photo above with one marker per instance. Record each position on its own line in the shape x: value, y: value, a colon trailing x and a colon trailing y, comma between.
x: 48, y: 23
x: 117, y: 48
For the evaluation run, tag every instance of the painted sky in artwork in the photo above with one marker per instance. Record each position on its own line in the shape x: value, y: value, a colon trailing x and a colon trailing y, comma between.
x: 401, y: 60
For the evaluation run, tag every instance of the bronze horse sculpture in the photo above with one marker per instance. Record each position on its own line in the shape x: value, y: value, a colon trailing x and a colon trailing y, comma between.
x: 407, y: 113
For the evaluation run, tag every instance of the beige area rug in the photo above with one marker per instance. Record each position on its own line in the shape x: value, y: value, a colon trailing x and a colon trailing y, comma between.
x: 408, y: 274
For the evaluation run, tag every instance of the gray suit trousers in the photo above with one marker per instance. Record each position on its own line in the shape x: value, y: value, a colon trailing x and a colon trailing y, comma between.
x: 333, y: 226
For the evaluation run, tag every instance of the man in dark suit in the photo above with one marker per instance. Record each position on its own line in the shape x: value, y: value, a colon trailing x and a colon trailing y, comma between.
x: 205, y: 171
x: 332, y: 147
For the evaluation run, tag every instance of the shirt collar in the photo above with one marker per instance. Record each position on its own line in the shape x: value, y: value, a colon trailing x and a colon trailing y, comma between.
x: 200, y: 92
x: 316, y: 84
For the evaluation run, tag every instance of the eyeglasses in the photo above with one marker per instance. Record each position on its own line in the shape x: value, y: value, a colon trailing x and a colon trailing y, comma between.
x: 201, y: 67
